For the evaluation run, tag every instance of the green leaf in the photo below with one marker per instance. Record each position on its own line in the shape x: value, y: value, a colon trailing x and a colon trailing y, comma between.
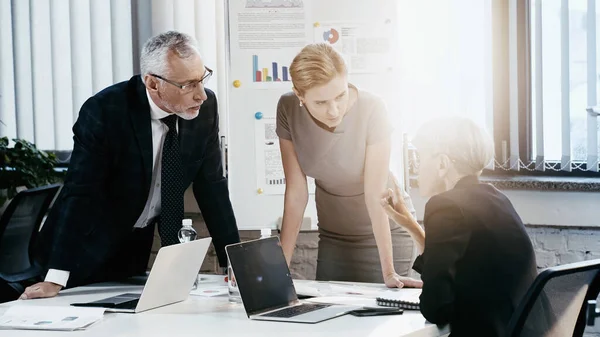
x: 25, y: 165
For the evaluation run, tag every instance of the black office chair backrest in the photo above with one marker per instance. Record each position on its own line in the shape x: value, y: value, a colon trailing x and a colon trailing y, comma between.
x: 19, y: 226
x: 554, y: 305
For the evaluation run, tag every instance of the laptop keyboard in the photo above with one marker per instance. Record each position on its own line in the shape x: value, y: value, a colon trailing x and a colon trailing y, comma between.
x: 296, y: 310
x: 128, y: 305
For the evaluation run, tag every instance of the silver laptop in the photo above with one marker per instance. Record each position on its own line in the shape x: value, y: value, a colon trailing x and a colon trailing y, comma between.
x: 266, y: 285
x: 170, y: 281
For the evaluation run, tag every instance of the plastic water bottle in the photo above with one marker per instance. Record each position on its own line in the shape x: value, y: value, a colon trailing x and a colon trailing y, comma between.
x: 265, y: 233
x: 232, y: 287
x: 187, y: 233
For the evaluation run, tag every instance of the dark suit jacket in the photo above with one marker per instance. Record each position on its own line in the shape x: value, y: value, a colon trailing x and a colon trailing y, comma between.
x: 109, y: 176
x: 478, y: 260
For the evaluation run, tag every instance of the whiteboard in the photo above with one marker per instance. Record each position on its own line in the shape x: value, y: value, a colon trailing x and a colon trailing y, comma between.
x: 263, y: 37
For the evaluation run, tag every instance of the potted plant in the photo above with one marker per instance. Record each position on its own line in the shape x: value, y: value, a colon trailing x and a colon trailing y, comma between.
x: 23, y: 166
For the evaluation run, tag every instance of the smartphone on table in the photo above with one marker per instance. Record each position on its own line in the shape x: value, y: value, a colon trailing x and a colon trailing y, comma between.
x: 376, y: 312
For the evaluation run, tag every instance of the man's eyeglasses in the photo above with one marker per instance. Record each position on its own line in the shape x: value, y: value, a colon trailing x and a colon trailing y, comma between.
x: 190, y: 86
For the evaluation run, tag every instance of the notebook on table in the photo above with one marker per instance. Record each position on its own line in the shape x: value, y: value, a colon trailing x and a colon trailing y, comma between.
x: 401, y: 298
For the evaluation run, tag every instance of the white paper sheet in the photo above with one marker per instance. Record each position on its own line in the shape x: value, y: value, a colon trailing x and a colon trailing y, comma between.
x: 366, y: 46
x: 270, y: 178
x: 346, y: 293
x: 210, y: 291
x: 267, y: 35
x: 312, y: 288
x: 316, y: 288
x: 356, y: 301
x: 31, y: 317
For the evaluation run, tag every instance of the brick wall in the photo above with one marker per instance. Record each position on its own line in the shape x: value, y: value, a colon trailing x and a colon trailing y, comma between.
x: 553, y: 246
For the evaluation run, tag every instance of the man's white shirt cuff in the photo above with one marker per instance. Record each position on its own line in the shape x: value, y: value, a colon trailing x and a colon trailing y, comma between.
x: 57, y: 276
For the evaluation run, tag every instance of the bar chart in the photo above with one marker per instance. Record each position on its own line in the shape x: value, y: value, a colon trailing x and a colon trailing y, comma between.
x: 269, y: 74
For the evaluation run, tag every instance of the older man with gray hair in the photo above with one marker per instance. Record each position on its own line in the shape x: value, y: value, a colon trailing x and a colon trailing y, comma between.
x: 138, y: 146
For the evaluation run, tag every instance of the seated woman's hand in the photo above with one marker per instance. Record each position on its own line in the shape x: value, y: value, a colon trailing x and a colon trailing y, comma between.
x: 393, y: 204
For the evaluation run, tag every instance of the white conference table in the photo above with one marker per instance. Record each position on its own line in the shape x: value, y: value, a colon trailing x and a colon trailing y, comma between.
x: 216, y: 316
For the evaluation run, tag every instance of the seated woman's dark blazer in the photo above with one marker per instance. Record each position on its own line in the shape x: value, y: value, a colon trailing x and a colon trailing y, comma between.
x: 478, y: 260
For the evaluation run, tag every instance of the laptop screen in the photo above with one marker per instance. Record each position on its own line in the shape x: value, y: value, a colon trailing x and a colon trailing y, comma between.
x: 262, y: 275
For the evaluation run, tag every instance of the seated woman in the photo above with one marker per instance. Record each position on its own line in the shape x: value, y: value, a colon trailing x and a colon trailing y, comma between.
x: 477, y: 260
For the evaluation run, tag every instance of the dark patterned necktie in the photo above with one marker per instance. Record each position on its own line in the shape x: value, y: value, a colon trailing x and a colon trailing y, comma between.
x: 171, y: 186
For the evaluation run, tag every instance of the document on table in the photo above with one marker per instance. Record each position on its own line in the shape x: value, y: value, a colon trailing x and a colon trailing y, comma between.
x: 316, y: 288
x: 357, y: 301
x: 31, y: 317
x: 210, y: 291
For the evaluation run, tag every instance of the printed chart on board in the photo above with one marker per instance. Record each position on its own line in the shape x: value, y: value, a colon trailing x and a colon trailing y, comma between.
x: 269, y: 167
x: 366, y: 47
x: 269, y: 34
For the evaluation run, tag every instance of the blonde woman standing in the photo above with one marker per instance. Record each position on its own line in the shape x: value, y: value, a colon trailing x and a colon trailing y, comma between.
x: 340, y: 135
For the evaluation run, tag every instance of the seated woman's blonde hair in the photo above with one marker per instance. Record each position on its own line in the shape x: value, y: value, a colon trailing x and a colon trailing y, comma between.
x: 316, y: 64
x: 467, y: 145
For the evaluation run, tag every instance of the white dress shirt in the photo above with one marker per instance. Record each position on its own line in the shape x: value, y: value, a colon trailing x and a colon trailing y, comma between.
x: 152, y: 208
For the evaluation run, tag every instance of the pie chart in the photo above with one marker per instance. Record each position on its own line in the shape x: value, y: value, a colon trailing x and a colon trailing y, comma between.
x: 331, y: 36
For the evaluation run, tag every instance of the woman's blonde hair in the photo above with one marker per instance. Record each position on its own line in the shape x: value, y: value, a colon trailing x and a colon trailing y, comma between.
x: 468, y: 145
x: 316, y: 64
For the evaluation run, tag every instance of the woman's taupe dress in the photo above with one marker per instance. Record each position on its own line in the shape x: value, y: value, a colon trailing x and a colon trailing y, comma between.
x: 347, y: 248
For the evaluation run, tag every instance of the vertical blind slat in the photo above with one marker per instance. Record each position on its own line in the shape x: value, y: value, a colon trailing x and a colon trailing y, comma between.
x: 102, y: 66
x: 61, y: 74
x: 122, y: 50
x: 162, y: 16
x: 565, y: 87
x: 184, y: 15
x: 81, y: 53
x: 22, y: 59
x: 8, y: 116
x: 142, y: 30
x: 221, y: 62
x: 513, y: 84
x: 43, y: 97
x: 206, y: 34
x: 592, y: 99
x: 539, y: 89
x: 489, y: 73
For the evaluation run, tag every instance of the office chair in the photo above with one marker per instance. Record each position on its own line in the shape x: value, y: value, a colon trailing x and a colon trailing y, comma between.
x: 556, y: 303
x: 19, y: 226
